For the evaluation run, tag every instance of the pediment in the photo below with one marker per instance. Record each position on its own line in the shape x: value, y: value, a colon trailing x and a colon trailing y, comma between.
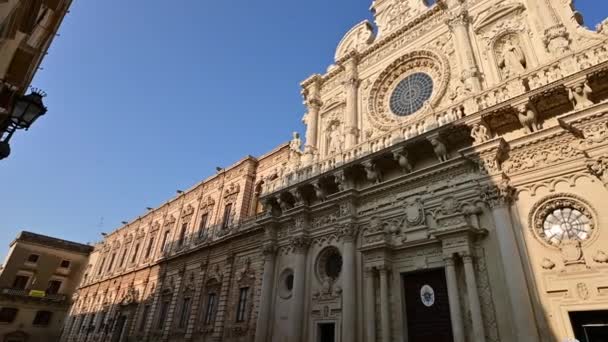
x: 356, y: 39
x: 492, y: 15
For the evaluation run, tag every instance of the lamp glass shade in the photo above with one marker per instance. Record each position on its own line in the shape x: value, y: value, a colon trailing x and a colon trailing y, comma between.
x: 27, y: 109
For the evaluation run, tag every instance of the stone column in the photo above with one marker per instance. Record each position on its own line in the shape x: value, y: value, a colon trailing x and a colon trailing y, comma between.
x: 370, y: 306
x: 312, y: 100
x: 459, y: 25
x: 474, y: 306
x: 196, y: 302
x: 454, y: 299
x: 222, y: 304
x: 349, y: 287
x: 157, y: 294
x: 296, y: 315
x: 263, y: 321
x: 499, y: 198
x: 385, y: 305
x: 351, y: 85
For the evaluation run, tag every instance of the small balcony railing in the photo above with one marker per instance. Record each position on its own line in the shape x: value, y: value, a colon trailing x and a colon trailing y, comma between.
x: 33, y: 294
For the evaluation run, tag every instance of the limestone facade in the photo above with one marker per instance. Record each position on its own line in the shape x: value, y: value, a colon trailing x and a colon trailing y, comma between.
x: 450, y: 187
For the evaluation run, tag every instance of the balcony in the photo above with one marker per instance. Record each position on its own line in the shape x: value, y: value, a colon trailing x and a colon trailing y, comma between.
x: 32, y: 295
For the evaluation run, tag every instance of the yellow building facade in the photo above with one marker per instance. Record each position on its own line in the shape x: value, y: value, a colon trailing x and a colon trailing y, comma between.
x: 449, y: 187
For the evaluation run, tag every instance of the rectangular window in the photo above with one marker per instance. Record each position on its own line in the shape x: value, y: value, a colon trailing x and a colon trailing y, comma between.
x: 149, y: 248
x: 33, y: 258
x: 203, y: 224
x: 53, y: 287
x: 144, y: 318
x: 135, y: 251
x: 165, y: 238
x: 8, y: 315
x: 185, y: 313
x: 162, y: 316
x: 65, y: 264
x: 210, y: 309
x: 42, y: 318
x: 124, y: 256
x: 102, y: 320
x: 103, y: 261
x: 111, y: 263
x: 21, y: 282
x: 182, y: 234
x: 240, y: 312
x: 227, y: 214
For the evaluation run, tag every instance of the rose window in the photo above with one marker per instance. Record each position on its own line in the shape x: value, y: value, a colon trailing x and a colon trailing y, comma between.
x: 566, y: 224
x: 329, y: 264
x: 411, y: 94
x: 562, y: 217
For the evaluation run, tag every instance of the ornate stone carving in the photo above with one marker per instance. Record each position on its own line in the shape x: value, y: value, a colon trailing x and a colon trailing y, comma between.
x: 599, y: 168
x: 357, y: 39
x: 500, y: 194
x: 348, y: 232
x: 418, y: 61
x: 300, y: 243
x: 414, y: 213
x: 528, y: 117
x: 557, y: 40
x: 320, y: 192
x: 402, y: 158
x: 479, y: 133
x: 512, y: 60
x: 547, y: 264
x: 582, y: 290
x: 600, y: 257
x: 441, y: 151
x: 372, y: 172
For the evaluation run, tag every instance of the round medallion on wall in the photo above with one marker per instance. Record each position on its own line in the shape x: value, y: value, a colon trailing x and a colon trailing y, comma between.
x: 329, y: 264
x: 561, y: 218
x: 409, y: 87
x: 427, y: 295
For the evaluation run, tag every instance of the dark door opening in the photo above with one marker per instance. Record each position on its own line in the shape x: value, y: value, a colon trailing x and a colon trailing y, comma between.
x: 327, y: 332
x: 427, y: 307
x: 120, y: 326
x: 590, y: 326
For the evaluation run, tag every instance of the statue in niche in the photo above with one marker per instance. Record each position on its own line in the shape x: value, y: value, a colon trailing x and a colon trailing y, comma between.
x: 296, y: 143
x: 479, y: 133
x: 512, y: 60
x: 336, y: 139
x: 580, y: 96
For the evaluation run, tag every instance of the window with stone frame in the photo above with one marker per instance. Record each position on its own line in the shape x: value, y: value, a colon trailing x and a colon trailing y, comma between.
x: 111, y: 263
x: 241, y: 310
x: 123, y: 258
x: 100, y: 269
x: 150, y: 246
x: 65, y: 264
x: 33, y: 258
x: 21, y: 282
x: 135, y: 253
x: 144, y: 318
x: 163, y: 245
x: 162, y: 312
x: 210, y: 306
x: 42, y: 318
x: 8, y: 315
x: 203, y: 224
x: 227, y: 216
x: 53, y: 287
x: 184, y: 312
x: 182, y: 234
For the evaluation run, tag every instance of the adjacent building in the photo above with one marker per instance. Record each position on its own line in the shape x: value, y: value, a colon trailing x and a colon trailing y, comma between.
x: 37, y: 281
x: 451, y: 187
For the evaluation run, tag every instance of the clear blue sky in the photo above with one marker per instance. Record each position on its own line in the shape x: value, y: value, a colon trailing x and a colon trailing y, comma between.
x: 145, y: 99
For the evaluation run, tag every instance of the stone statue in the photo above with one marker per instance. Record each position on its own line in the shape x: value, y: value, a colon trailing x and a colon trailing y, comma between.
x: 528, y: 117
x: 296, y: 143
x: 512, y: 60
x: 402, y: 157
x: 372, y: 173
x: 479, y: 133
x: 335, y: 139
x: 580, y: 96
x: 602, y: 27
x: 440, y: 149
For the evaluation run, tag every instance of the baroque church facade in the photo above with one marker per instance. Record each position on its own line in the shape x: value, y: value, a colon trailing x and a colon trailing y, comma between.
x: 451, y: 187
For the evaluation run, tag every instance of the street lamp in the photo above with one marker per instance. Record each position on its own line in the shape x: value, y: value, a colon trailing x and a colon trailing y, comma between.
x: 26, y: 110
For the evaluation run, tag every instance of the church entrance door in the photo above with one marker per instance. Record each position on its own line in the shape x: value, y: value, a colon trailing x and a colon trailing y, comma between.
x: 427, y: 307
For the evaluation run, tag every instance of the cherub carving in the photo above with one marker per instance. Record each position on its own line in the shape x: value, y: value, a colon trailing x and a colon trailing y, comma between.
x: 579, y: 95
x: 479, y: 133
x: 528, y: 117
x: 440, y: 149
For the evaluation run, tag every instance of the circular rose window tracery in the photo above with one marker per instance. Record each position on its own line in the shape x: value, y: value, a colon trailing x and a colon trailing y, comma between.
x: 329, y: 264
x: 392, y: 102
x: 562, y: 217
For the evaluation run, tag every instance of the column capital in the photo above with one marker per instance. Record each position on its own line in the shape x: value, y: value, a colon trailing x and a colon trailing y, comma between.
x: 270, y: 249
x: 448, y: 260
x: 300, y: 243
x: 467, y: 258
x: 498, y: 195
x: 348, y: 232
x: 313, y: 103
x: 458, y: 18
